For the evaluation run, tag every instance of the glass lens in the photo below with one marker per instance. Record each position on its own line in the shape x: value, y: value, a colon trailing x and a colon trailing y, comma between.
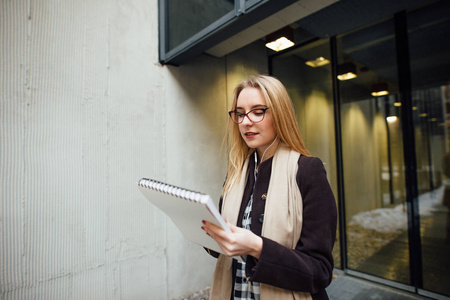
x: 235, y: 116
x: 256, y: 115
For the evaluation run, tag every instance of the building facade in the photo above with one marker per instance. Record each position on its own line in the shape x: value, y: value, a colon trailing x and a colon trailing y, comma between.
x: 97, y: 94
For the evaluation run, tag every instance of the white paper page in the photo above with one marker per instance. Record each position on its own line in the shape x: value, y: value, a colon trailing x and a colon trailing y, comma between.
x: 187, y: 216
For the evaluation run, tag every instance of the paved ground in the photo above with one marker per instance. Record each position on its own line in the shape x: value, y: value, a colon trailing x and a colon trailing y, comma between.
x: 346, y: 287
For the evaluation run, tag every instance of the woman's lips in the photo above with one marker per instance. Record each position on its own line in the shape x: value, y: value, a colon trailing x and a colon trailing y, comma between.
x: 250, y: 134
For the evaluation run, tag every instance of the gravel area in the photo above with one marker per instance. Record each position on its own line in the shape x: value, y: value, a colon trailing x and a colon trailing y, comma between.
x: 198, y: 295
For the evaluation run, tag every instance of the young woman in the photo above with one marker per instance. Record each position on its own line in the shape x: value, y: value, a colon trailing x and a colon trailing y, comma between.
x: 277, y: 202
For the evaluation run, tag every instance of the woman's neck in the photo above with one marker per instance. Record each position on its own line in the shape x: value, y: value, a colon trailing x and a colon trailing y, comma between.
x: 265, y: 154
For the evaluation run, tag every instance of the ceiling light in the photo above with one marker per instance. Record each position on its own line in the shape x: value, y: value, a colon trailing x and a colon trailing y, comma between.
x: 391, y: 119
x: 397, y: 104
x: 280, y: 44
x: 347, y: 71
x: 382, y: 93
x: 380, y: 89
x: 318, y: 62
x: 280, y: 39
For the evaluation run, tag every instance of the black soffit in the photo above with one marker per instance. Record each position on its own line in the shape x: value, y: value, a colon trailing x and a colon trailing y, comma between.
x: 345, y: 16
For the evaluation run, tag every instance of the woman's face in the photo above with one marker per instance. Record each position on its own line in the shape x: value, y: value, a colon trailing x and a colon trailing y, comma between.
x: 256, y: 135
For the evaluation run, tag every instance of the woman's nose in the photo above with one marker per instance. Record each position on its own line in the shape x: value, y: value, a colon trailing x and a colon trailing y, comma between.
x: 247, y: 121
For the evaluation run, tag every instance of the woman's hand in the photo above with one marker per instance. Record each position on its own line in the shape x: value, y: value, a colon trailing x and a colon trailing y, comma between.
x: 239, y: 242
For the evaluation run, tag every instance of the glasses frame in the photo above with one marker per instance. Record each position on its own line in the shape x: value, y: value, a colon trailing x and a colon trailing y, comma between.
x: 246, y: 115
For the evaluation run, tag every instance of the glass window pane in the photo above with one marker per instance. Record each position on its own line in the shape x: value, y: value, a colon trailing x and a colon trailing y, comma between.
x: 188, y: 17
x: 310, y: 88
x: 428, y: 31
x: 374, y: 183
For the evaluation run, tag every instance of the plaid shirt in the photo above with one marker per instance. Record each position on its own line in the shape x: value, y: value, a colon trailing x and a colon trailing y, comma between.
x: 243, y: 289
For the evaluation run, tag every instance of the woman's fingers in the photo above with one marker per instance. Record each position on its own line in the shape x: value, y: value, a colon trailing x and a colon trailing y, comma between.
x: 215, y: 231
x: 237, y: 242
x: 225, y: 240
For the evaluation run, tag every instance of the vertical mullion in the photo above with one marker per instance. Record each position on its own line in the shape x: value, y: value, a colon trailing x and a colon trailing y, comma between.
x: 389, y: 152
x: 163, y: 29
x: 409, y: 150
x: 339, y: 160
x: 239, y: 7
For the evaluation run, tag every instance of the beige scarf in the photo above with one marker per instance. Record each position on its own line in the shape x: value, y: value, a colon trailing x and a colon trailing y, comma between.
x: 282, y: 221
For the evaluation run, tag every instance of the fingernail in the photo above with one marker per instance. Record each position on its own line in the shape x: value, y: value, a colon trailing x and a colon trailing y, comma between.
x: 203, y: 221
x: 203, y: 228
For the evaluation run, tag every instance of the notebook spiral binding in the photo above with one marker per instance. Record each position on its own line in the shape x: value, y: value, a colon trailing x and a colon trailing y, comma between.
x: 173, y: 190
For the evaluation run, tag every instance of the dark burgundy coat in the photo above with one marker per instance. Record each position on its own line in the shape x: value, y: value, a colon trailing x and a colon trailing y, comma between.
x: 309, y: 267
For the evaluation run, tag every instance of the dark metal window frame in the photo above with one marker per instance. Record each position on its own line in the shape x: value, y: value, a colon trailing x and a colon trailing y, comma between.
x: 245, y: 14
x: 409, y: 150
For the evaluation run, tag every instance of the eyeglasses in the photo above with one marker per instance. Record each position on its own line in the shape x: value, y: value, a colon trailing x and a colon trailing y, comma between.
x: 255, y: 115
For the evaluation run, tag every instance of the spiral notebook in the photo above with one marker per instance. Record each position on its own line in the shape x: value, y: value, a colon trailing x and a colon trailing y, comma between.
x: 186, y: 209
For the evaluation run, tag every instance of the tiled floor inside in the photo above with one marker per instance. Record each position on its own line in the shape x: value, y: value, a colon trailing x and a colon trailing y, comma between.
x: 392, y: 260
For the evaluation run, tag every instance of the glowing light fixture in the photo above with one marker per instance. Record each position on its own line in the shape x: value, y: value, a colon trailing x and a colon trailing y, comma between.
x: 280, y: 44
x: 280, y: 39
x: 380, y: 89
x: 318, y: 62
x: 347, y: 71
x: 391, y: 119
x: 397, y: 104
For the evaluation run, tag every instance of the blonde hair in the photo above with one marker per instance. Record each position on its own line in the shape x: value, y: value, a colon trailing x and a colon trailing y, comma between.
x: 284, y: 123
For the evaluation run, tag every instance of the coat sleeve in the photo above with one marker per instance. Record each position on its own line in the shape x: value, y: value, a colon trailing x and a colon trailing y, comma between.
x: 308, y: 267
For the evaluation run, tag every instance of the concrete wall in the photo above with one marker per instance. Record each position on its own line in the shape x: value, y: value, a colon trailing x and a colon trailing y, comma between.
x: 86, y: 111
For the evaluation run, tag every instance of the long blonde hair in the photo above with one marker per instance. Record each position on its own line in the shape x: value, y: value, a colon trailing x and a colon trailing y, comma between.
x: 284, y: 123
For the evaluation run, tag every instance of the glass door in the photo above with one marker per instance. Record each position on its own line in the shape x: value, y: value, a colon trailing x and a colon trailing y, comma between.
x: 372, y: 148
x: 428, y: 32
